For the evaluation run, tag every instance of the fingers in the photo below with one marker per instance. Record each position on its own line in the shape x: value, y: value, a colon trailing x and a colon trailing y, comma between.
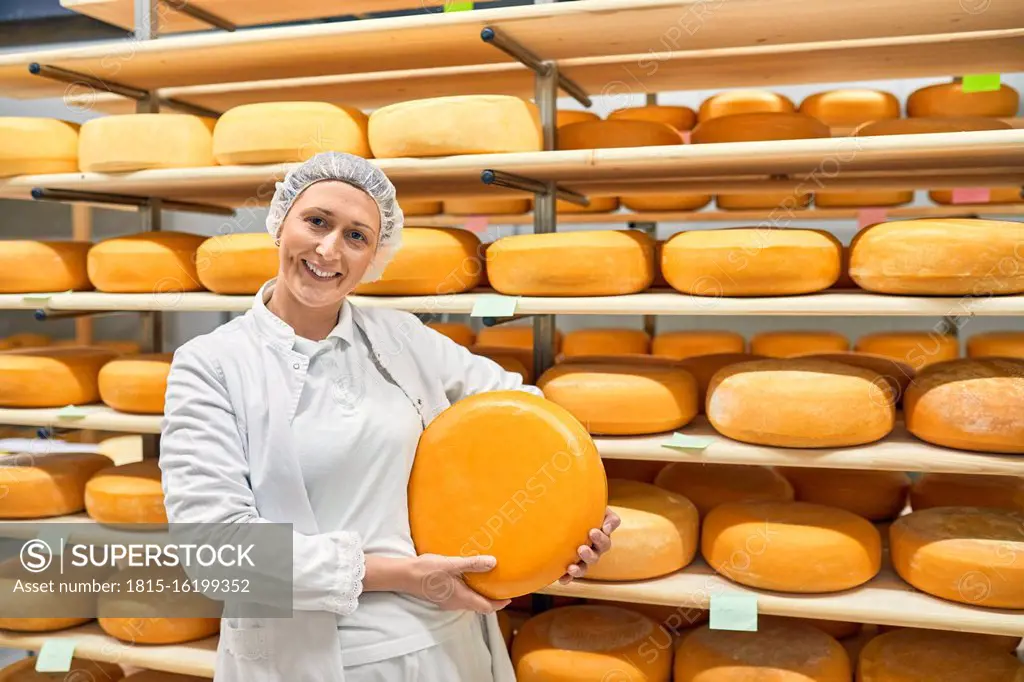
x: 587, y: 554
x: 478, y: 603
x: 472, y: 564
x: 600, y: 541
x: 611, y: 522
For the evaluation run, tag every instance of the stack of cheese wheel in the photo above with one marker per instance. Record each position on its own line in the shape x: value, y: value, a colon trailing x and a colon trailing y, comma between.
x: 474, y: 489
x: 584, y: 263
x: 146, y: 263
x: 564, y: 117
x: 461, y: 334
x: 897, y: 374
x: 996, y: 344
x: 126, y: 494
x: 875, y: 495
x: 46, y: 485
x: 967, y: 490
x: 136, y: 384
x: 916, y: 349
x: 751, y: 262
x: 418, y: 207
x: 971, y: 555
x: 787, y: 344
x: 688, y: 344
x: 710, y: 485
x: 432, y: 261
x: 590, y: 642
x: 969, y: 404
x: 446, y: 126
x: 30, y: 146
x: 288, y: 132
x: 79, y: 668
x: 51, y: 377
x: 912, y: 654
x: 487, y: 207
x: 704, y: 367
x: 29, y: 611
x: 132, y: 142
x: 237, y: 263
x: 585, y: 342
x: 55, y: 266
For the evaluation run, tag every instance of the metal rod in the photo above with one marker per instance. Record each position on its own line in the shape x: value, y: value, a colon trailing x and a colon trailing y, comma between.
x: 545, y: 214
x: 147, y: 19
x: 75, y: 196
x: 513, y: 181
x: 200, y: 14
x: 44, y: 315
x: 520, y: 52
x: 187, y: 108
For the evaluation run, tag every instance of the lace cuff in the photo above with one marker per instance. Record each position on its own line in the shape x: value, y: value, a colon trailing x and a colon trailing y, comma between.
x: 351, y: 571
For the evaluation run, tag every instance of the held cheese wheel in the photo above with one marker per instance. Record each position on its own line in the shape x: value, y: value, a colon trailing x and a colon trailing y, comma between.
x: 136, y: 384
x: 51, y: 377
x: 704, y: 367
x: 415, y: 207
x: 625, y: 398
x: 875, y: 495
x: 583, y: 342
x: 665, y: 202
x: 851, y: 107
x: 711, y: 485
x: 743, y: 102
x: 237, y: 263
x: 967, y: 490
x: 583, y: 263
x: 751, y: 262
x: 463, y: 124
x: 126, y: 494
x: 621, y: 133
x: 917, y: 349
x: 996, y: 344
x: 964, y: 554
x: 432, y: 261
x: 897, y: 374
x: 30, y: 146
x: 680, y: 345
x: 513, y: 336
x: 564, y: 117
x: 657, y: 525
x: 920, y: 126
x: 51, y: 266
x: 461, y: 334
x: 288, y: 132
x: 490, y: 474
x: 996, y: 195
x: 758, y: 127
x: 596, y: 205
x: 79, y: 668
x: 590, y: 642
x: 861, y: 198
x: 133, y: 142
x: 680, y: 118
x: 146, y: 263
x: 912, y: 655
x: 949, y: 99
x: 26, y: 611
x: 46, y: 485
x: 486, y: 207
x: 800, y: 403
x: 969, y: 404
x: 787, y: 344
x: 769, y: 545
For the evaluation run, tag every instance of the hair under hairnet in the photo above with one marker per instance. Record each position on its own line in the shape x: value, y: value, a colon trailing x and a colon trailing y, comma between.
x: 356, y: 171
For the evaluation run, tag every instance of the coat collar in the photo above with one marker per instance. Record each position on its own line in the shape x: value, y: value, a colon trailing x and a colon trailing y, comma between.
x: 280, y: 334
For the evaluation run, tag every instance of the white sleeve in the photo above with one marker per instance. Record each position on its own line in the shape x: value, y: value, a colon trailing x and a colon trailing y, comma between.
x: 205, y: 474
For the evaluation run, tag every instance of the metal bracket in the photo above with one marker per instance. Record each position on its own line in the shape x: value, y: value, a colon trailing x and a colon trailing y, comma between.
x: 77, y: 196
x: 517, y: 50
x: 200, y: 14
x: 512, y: 181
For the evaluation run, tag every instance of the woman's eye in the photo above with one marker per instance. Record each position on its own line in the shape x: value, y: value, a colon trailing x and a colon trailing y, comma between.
x: 318, y: 222
x: 355, y: 234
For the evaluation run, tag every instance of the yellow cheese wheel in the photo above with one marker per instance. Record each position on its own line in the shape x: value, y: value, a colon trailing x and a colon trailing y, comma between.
x: 596, y: 205
x: 30, y: 146
x: 490, y: 474
x: 680, y: 118
x: 46, y: 485
x: 51, y: 377
x: 658, y: 525
x: 154, y: 616
x: 120, y: 346
x: 970, y: 555
x: 767, y: 545
x: 237, y: 263
x: 751, y: 262
x: 54, y: 266
x: 461, y: 334
x: 687, y: 344
x: 743, y: 102
x: 132, y: 142
x: 516, y: 360
x: 787, y: 344
x: 971, y: 404
x: 967, y: 490
x: 777, y: 652
x: 146, y: 263
x: 513, y: 336
x: 642, y: 470
x: 623, y: 399
x: 26, y: 611
x: 136, y: 384
x: 463, y: 124
x: 432, y: 261
x: 590, y: 642
x: 710, y: 485
x: 784, y: 201
x: 583, y: 342
x: 704, y: 368
x: 126, y: 494
x: 913, y: 655
x: 862, y: 198
x: 583, y: 263
x: 949, y: 99
x: 897, y: 374
x: 288, y: 132
x: 851, y: 107
x: 919, y: 126
x: 757, y: 127
x: 79, y: 669
x: 800, y: 403
x: 996, y: 344
x: 673, y: 619
x: 680, y: 201
x: 512, y: 205
x: 564, y: 117
x: 996, y: 195
x: 833, y: 628
x: 917, y: 349
x: 875, y: 495
x: 29, y: 340
x: 620, y: 133
x: 418, y: 207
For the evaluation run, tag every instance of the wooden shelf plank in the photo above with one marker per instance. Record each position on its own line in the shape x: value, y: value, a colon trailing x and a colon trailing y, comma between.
x: 98, y: 417
x: 86, y: 531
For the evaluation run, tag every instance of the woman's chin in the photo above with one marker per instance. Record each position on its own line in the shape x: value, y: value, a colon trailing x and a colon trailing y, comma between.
x: 317, y: 294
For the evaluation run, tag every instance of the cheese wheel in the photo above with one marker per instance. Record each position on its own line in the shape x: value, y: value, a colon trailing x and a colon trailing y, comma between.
x: 964, y: 554
x: 896, y: 373
x: 687, y: 344
x: 146, y: 263
x: 743, y: 102
x: 126, y: 494
x: 29, y: 340
x: 432, y: 261
x: 237, y: 263
x: 513, y: 336
x: 51, y: 377
x: 583, y: 263
x: 913, y: 655
x: 621, y: 133
x: 680, y: 118
x: 949, y: 99
x: 160, y: 676
x: 54, y: 266
x: 800, y: 403
x: 875, y: 495
x: 623, y: 399
x: 675, y: 201
x: 136, y: 384
x: 47, y: 611
x: 704, y: 367
x: 79, y: 669
x: 996, y: 195
x: 673, y: 619
x: 642, y: 470
x: 420, y: 207
x: 596, y: 205
x: 486, y: 207
x: 634, y: 359
x: 171, y: 616
x: 463, y: 124
x: 783, y: 200
x: 778, y: 651
x: 46, y: 485
x: 564, y: 117
x: 132, y: 142
x: 590, y: 642
x: 767, y: 545
x: 917, y: 349
x: 967, y: 490
x: 30, y: 146
x: 996, y: 344
x: 758, y: 127
x: 120, y: 346
x: 288, y: 132
x: 787, y: 344
x: 857, y: 199
x: 921, y: 126
x: 751, y: 262
x: 490, y: 473
x: 461, y: 334
x: 513, y: 360
x: 850, y: 107
x: 710, y: 485
x: 969, y: 404
x: 833, y: 628
x: 582, y: 342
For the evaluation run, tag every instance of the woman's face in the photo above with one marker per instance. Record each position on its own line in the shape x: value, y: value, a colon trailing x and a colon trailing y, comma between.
x: 328, y: 239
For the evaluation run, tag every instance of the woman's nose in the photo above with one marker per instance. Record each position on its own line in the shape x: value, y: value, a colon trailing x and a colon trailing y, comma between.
x: 330, y: 245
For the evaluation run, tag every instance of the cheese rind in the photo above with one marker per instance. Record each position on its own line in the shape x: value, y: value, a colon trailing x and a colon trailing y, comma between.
x: 133, y: 142
x: 237, y: 263
x: 863, y: 198
x: 461, y: 334
x: 126, y: 494
x: 967, y: 490
x: 704, y: 368
x: 414, y: 207
x: 596, y: 205
x: 513, y: 336
x: 32, y: 145
x: 916, y: 349
x: 55, y: 266
x: 949, y: 99
x: 487, y: 207
x: 710, y: 485
x: 897, y: 374
x: 688, y: 344
x: 744, y: 102
x: 52, y: 484
x: 564, y: 117
x: 616, y: 133
x: 996, y: 344
x: 51, y: 377
x: 782, y: 201
x: 787, y: 344
x: 30, y: 611
x: 584, y: 342
x: 680, y: 118
x: 432, y: 261
x: 875, y: 495
x: 754, y: 127
x: 146, y: 263
x: 136, y: 384
x: 850, y: 107
x: 675, y: 201
x: 909, y: 655
x: 79, y: 669
x: 923, y: 126
x: 996, y: 195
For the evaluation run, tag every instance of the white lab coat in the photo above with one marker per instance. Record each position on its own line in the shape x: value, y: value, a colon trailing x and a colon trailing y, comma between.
x: 231, y: 396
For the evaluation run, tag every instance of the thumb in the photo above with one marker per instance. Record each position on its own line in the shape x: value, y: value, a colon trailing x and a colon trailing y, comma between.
x: 473, y: 564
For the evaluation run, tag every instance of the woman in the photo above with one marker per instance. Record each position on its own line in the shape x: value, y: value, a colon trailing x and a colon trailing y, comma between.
x: 307, y: 410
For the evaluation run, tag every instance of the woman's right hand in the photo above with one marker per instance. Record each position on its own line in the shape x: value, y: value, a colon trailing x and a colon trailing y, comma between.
x: 438, y: 579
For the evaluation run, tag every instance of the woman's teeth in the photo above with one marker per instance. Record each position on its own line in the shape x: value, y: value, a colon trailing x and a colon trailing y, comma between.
x: 318, y: 273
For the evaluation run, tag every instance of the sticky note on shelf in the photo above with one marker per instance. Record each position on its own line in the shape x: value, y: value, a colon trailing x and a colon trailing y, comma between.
x: 679, y: 440
x: 71, y: 412
x: 55, y: 536
x: 870, y: 216
x: 452, y: 6
x: 477, y: 223
x: 36, y: 299
x: 55, y: 656
x: 733, y: 612
x: 971, y: 195
x: 980, y: 82
x: 494, y: 305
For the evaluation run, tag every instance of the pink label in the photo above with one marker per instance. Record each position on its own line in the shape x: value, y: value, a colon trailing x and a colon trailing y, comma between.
x: 971, y: 195
x: 870, y: 216
x: 686, y: 136
x: 477, y: 223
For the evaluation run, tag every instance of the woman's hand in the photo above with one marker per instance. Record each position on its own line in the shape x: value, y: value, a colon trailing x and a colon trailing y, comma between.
x: 600, y: 543
x: 438, y: 579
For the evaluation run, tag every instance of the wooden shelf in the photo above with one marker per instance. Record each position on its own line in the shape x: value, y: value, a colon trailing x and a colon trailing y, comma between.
x: 98, y: 417
x: 87, y: 530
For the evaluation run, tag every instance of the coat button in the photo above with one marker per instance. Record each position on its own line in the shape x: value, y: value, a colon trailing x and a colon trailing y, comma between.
x: 295, y: 366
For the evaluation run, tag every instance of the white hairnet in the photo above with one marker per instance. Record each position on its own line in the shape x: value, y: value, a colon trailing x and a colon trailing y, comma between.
x: 356, y: 171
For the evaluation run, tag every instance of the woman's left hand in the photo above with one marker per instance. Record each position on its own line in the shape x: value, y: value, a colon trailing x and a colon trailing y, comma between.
x: 600, y: 543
